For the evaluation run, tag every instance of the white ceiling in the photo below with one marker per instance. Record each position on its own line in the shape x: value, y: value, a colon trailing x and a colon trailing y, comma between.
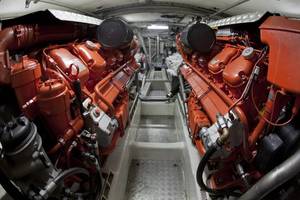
x: 10, y: 8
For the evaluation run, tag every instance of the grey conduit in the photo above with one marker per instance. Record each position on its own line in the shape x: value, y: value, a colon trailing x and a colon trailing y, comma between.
x: 276, y: 177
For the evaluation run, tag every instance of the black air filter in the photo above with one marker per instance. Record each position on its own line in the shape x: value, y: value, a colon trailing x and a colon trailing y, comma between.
x: 114, y: 33
x: 16, y: 133
x: 199, y: 37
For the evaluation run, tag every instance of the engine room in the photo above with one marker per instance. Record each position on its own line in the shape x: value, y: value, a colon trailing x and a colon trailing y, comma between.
x: 149, y: 100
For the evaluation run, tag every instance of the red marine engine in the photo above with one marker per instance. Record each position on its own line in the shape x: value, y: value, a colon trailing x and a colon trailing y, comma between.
x: 244, y: 98
x: 76, y: 92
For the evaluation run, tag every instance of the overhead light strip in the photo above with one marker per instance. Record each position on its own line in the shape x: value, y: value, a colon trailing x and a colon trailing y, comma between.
x: 158, y: 27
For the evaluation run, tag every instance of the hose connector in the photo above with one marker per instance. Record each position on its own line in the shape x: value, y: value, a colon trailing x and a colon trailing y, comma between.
x: 223, y: 128
x: 224, y: 137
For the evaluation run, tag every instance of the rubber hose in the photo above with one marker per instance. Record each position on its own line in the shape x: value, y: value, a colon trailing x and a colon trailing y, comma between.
x: 78, y: 94
x: 224, y: 192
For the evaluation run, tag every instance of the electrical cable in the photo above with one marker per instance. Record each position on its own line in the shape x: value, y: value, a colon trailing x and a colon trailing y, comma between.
x: 251, y: 78
x: 261, y: 115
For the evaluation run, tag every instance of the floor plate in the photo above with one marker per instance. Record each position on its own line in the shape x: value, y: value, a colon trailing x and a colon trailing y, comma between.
x: 158, y: 135
x: 155, y: 180
x: 167, y: 121
x: 156, y: 92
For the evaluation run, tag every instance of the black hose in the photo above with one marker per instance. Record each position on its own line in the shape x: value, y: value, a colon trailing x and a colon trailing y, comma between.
x: 222, y: 192
x: 78, y: 94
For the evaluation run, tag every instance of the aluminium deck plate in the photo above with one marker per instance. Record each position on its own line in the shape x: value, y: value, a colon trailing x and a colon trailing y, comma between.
x: 155, y: 180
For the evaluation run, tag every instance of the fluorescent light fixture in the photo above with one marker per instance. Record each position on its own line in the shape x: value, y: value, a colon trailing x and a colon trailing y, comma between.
x: 158, y: 27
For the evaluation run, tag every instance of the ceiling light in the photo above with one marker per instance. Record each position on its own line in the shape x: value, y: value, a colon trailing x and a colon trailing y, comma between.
x: 158, y: 27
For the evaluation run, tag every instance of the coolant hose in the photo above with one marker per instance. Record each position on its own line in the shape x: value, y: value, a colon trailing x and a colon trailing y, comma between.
x: 208, y: 154
x: 276, y: 177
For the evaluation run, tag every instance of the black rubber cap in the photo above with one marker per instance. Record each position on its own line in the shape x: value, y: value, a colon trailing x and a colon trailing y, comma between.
x: 199, y: 37
x: 114, y: 33
x: 15, y: 133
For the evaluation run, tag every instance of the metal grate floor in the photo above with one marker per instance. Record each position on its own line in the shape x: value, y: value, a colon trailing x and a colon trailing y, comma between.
x: 158, y: 135
x: 167, y: 121
x: 157, y: 92
x: 157, y: 75
x: 155, y: 180
x: 157, y: 129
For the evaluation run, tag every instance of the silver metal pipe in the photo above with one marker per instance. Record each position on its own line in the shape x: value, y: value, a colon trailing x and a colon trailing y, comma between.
x: 133, y: 106
x: 153, y: 7
x: 137, y: 83
x: 276, y: 177
x: 182, y: 87
x: 183, y: 96
x: 144, y: 79
x: 182, y: 108
x: 141, y: 39
x: 134, y: 80
x: 228, y: 8
x: 153, y: 55
x: 149, y: 51
x: 157, y: 48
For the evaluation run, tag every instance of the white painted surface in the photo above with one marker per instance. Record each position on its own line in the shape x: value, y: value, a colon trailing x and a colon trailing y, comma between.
x: 155, y: 149
x: 9, y: 8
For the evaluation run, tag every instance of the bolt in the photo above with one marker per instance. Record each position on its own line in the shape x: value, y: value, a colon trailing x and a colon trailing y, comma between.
x: 231, y: 116
x: 21, y: 121
x: 219, y: 180
x: 10, y: 125
x: 97, y: 112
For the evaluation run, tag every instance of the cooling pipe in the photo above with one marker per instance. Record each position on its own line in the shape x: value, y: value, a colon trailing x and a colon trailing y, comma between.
x: 24, y: 36
x: 276, y: 177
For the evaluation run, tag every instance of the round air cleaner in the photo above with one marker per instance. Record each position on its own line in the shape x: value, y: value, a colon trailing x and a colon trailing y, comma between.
x: 199, y: 37
x: 114, y: 33
x: 16, y: 133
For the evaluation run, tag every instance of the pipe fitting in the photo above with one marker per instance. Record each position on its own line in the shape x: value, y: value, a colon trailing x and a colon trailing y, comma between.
x: 224, y: 137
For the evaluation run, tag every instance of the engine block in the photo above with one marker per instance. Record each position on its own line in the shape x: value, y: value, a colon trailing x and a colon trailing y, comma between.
x: 235, y: 99
x: 77, y: 92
